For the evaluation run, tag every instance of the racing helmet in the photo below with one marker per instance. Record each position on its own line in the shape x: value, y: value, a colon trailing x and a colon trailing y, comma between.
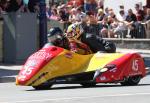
x: 55, y: 36
x: 54, y: 31
x: 74, y: 31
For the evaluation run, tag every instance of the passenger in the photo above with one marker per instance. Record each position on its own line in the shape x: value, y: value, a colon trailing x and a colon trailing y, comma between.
x: 73, y: 34
x: 95, y: 41
x: 77, y: 34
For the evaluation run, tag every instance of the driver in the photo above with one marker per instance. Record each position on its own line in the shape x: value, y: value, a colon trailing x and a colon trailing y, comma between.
x: 55, y: 37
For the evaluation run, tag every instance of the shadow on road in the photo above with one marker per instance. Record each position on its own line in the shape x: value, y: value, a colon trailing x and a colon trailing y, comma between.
x: 78, y: 87
x: 147, y: 61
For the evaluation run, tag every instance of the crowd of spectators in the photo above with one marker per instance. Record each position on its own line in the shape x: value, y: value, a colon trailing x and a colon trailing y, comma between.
x: 91, y: 12
x: 109, y: 24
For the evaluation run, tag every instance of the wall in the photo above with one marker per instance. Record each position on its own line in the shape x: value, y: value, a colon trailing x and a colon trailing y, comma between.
x: 131, y: 43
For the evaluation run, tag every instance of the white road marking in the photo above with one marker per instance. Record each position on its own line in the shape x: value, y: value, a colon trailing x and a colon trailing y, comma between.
x: 74, y: 98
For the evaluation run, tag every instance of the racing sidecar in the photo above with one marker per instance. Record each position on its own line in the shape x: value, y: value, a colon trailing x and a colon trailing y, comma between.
x: 53, y: 65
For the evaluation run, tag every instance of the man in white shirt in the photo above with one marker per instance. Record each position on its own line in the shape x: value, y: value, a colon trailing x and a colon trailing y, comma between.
x: 80, y: 15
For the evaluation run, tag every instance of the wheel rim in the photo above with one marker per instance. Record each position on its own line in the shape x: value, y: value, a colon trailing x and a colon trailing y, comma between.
x: 136, y: 79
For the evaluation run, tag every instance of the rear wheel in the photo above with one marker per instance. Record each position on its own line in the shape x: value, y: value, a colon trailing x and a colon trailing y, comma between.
x: 42, y: 86
x: 88, y: 84
x: 134, y: 80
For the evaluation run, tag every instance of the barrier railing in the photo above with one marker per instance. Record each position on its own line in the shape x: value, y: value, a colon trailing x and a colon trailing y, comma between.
x: 20, y: 37
x: 147, y: 28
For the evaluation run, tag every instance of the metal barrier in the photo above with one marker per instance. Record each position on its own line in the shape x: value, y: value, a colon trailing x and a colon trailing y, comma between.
x: 136, y: 32
x: 1, y: 41
x: 140, y: 29
x: 20, y: 38
x: 147, y: 28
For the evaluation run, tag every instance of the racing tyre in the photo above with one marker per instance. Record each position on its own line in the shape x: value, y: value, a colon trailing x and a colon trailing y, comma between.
x: 131, y: 81
x: 88, y: 84
x: 42, y: 87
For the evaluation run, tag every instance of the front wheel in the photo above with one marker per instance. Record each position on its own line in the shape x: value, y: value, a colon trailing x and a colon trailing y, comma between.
x: 42, y: 87
x: 134, y: 80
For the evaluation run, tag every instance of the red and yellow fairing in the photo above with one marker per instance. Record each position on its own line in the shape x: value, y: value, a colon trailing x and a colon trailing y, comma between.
x: 52, y: 62
x: 128, y: 65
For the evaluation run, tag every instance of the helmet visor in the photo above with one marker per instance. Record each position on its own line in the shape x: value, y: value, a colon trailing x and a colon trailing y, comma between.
x: 54, y: 37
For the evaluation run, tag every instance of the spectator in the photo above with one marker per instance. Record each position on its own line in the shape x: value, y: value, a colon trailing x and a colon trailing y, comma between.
x: 121, y: 7
x: 93, y: 6
x: 32, y: 5
x: 25, y: 7
x: 67, y: 11
x: 145, y: 9
x: 54, y: 15
x: 147, y: 17
x: 87, y: 5
x: 100, y: 4
x: 112, y: 23
x: 80, y: 15
x: 73, y: 14
x: 90, y: 25
x: 119, y: 28
x: 104, y: 28
x: 90, y: 6
x: 131, y: 21
x: 14, y: 5
x: 121, y: 16
x: 48, y: 12
x: 107, y: 25
x: 100, y: 15
x: 62, y: 16
x: 131, y: 17
x: 139, y: 13
x: 36, y: 7
x: 3, y: 6
x: 90, y: 19
x: 107, y: 11
x: 112, y: 14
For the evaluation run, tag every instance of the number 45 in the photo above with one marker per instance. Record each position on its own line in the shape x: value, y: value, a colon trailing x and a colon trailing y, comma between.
x: 135, y: 65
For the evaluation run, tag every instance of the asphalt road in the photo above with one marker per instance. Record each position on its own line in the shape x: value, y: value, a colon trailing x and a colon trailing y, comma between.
x: 102, y: 93
x: 147, y: 60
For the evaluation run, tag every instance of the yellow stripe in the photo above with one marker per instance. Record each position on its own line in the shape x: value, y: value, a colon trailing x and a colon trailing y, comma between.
x: 99, y: 60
